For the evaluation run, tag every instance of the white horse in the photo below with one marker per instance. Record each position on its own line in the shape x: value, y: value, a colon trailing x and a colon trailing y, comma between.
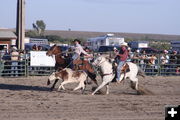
x: 108, y: 75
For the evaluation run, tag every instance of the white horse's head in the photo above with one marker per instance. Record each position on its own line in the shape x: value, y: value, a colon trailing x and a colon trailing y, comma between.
x: 99, y: 60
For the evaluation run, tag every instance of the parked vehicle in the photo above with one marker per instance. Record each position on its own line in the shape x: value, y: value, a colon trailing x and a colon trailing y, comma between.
x: 107, y: 48
x: 28, y: 46
x: 106, y: 40
x: 175, y: 46
x: 147, y: 50
x: 64, y: 48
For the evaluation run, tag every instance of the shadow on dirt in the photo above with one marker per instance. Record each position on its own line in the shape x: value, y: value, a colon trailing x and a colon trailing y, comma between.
x: 23, y: 87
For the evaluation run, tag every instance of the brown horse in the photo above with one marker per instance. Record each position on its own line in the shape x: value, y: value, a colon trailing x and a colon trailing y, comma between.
x: 61, y: 63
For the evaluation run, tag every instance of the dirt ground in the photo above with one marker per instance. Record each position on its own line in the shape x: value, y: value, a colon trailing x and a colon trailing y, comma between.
x: 31, y: 99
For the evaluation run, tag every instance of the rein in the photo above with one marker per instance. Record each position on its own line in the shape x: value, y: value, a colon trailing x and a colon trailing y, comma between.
x: 106, y: 74
x: 98, y: 68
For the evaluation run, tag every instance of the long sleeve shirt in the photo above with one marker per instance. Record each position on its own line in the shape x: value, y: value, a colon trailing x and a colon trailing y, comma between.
x: 79, y: 49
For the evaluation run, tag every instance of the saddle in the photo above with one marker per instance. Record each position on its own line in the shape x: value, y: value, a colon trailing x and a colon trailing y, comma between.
x: 82, y: 65
x: 124, y: 70
x: 125, y: 67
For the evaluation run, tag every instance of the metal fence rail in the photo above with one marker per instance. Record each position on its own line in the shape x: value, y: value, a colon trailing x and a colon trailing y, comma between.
x: 13, y: 68
x: 21, y: 68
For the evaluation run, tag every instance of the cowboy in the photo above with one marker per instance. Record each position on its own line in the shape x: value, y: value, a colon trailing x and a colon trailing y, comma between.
x: 78, y: 49
x: 14, y: 61
x: 123, y: 55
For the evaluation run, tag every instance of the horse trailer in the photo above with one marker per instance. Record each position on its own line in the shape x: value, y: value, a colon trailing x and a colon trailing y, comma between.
x: 107, y: 40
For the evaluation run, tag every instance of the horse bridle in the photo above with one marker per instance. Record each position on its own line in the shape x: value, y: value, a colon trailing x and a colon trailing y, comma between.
x: 100, y: 64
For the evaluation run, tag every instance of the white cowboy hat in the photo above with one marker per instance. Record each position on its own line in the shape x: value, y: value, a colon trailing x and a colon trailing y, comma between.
x: 115, y: 48
x: 14, y: 47
x: 124, y: 43
x: 137, y: 51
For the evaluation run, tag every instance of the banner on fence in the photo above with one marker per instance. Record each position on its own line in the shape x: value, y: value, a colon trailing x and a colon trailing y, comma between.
x: 39, y: 58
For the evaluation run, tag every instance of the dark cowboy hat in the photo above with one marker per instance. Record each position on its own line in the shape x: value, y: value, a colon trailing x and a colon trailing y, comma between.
x: 77, y: 41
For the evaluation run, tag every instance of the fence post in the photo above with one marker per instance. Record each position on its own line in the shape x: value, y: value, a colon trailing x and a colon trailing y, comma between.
x: 26, y: 66
x: 159, y: 64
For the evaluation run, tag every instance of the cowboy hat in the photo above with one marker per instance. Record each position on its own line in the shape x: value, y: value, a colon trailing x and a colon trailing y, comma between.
x: 76, y: 40
x: 14, y: 48
x: 114, y: 48
x: 124, y: 44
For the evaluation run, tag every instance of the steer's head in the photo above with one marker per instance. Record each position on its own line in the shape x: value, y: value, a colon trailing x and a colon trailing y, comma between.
x: 51, y: 78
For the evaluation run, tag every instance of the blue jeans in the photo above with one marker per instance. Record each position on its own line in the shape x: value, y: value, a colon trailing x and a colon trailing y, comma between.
x: 14, y: 68
x: 75, y: 56
x: 120, y: 64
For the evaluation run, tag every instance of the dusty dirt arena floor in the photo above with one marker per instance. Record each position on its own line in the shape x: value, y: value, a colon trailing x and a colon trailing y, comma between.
x: 30, y: 99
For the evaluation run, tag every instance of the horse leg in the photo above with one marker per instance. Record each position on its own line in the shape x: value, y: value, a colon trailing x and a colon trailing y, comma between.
x: 101, y: 86
x: 54, y: 84
x: 107, y: 89
x: 134, y: 83
x: 93, y: 77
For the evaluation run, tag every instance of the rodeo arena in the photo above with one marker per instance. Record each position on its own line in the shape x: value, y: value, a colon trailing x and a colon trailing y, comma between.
x: 102, y: 78
x: 33, y: 80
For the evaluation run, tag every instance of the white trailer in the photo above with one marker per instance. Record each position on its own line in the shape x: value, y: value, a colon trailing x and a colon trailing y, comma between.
x: 138, y: 44
x: 107, y: 40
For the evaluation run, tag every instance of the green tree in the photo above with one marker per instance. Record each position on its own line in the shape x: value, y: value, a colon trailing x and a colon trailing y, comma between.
x: 160, y: 45
x: 54, y: 38
x: 40, y: 27
x: 31, y: 33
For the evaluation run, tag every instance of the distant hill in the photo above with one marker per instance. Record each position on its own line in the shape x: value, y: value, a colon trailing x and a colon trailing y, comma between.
x: 134, y: 36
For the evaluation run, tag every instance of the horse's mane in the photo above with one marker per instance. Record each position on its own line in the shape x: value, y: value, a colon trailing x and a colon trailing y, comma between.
x: 58, y: 48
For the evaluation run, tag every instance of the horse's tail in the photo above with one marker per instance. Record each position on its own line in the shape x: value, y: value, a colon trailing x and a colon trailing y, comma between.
x: 141, y: 72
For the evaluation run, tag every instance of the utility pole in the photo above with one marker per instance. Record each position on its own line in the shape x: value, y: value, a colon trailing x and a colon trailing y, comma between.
x: 20, y: 24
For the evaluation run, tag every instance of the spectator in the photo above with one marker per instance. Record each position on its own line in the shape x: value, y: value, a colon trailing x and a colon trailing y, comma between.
x: 34, y: 47
x: 152, y: 67
x: 143, y: 61
x: 130, y: 56
x: 178, y: 70
x: 136, y: 57
x: 40, y: 48
x: 14, y: 62
x: 173, y: 62
x: 3, y: 52
x: 22, y: 61
x: 6, y: 61
x: 164, y: 59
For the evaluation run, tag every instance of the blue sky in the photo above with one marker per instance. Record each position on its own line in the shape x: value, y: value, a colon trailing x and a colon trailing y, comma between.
x: 132, y: 16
